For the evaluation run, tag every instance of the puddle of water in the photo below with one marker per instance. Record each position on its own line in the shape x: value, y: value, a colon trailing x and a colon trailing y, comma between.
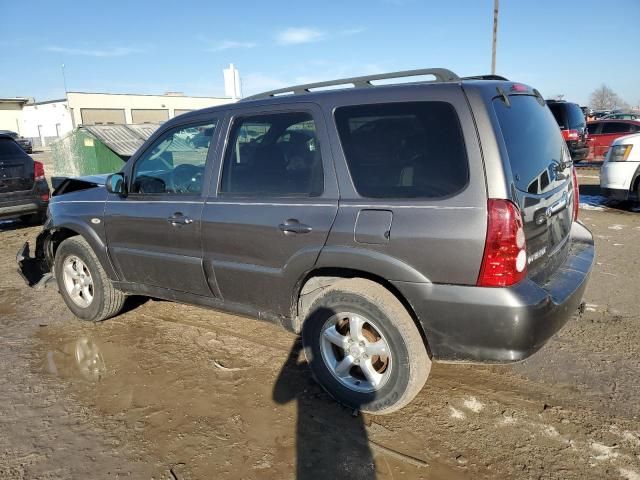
x: 216, y: 403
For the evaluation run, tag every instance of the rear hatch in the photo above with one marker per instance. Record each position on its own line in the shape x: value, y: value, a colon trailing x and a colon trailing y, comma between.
x: 16, y: 167
x: 542, y: 177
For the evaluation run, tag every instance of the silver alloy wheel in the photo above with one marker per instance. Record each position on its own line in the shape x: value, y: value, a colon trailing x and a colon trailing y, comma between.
x: 355, y: 352
x: 77, y: 281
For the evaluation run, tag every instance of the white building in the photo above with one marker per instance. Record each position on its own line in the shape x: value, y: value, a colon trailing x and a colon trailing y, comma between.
x: 11, y: 113
x: 106, y: 108
x: 46, y: 121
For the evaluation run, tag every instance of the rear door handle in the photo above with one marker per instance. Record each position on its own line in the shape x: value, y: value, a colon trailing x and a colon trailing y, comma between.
x: 293, y: 226
x: 179, y: 219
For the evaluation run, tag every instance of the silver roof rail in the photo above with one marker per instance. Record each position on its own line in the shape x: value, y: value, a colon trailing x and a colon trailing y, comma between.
x: 440, y: 74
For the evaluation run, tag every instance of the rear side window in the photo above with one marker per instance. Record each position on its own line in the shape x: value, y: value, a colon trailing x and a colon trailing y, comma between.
x: 10, y: 147
x: 404, y: 150
x: 273, y: 155
x: 558, y: 112
x: 532, y: 138
x: 592, y: 128
x: 616, y: 127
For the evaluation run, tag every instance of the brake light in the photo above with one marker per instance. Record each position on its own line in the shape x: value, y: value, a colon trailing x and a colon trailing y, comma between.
x: 504, y: 262
x: 576, y: 193
x: 518, y: 87
x: 38, y: 170
x: 570, y: 134
x: 44, y: 197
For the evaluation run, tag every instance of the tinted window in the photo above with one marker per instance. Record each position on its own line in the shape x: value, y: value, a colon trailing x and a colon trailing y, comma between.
x: 558, y: 112
x: 273, y: 155
x: 404, y: 150
x: 532, y: 138
x: 8, y: 147
x: 575, y: 116
x: 175, y: 162
x: 616, y: 127
x: 592, y: 128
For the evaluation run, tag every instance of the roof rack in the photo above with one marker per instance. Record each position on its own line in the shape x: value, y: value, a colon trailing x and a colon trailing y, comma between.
x: 440, y: 74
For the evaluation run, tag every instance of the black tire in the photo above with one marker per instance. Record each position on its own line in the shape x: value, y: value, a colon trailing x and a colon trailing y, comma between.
x: 107, y: 301
x: 411, y: 363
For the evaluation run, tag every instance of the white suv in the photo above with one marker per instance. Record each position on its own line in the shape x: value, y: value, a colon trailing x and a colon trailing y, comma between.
x: 620, y: 174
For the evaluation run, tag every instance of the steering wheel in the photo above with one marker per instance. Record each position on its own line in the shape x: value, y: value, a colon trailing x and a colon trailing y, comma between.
x: 187, y: 178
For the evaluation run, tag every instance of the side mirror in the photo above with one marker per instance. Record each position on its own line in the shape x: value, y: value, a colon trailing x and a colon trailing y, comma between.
x: 115, y: 184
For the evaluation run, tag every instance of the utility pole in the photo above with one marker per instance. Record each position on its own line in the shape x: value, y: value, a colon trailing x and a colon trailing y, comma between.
x: 496, y: 6
x: 64, y: 79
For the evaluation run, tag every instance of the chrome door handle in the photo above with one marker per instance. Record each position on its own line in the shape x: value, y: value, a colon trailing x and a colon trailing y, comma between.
x: 293, y: 226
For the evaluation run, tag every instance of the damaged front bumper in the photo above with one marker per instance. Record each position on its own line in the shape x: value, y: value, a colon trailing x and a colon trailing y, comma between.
x: 35, y: 271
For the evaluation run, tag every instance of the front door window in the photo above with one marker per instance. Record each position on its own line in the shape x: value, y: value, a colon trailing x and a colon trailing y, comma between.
x: 175, y: 163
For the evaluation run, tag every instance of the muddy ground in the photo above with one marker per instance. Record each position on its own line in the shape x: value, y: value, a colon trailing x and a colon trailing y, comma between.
x: 168, y: 391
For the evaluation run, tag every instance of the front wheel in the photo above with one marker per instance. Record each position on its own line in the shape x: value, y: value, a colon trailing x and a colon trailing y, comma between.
x: 363, y: 347
x: 83, y: 283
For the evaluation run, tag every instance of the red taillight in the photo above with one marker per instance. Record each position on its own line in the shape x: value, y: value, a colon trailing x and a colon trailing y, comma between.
x: 570, y: 134
x: 38, y: 170
x: 576, y: 193
x: 518, y: 87
x: 505, y: 255
x: 44, y: 197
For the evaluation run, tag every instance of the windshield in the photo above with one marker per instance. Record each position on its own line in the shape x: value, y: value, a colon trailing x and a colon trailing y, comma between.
x: 532, y: 139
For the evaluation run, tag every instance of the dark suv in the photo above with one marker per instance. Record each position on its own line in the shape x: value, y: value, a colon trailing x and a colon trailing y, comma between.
x: 24, y: 143
x: 573, y: 125
x: 389, y: 225
x: 24, y: 191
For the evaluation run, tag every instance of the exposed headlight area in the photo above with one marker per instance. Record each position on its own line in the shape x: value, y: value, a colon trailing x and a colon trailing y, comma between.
x: 620, y: 153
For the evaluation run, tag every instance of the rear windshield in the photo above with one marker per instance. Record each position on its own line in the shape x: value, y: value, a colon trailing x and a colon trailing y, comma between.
x: 404, y: 150
x: 532, y: 138
x: 576, y: 117
x: 9, y: 147
x: 568, y: 115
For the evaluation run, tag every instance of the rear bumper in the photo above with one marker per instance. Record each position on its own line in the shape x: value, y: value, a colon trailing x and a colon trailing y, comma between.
x: 474, y: 324
x: 24, y: 207
x: 579, y: 153
x: 16, y: 204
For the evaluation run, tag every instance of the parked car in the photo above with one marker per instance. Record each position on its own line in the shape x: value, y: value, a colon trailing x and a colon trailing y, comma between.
x: 620, y: 172
x: 24, y: 143
x: 603, y: 132
x: 24, y: 192
x: 622, y: 116
x: 573, y: 127
x: 409, y: 223
x: 598, y: 114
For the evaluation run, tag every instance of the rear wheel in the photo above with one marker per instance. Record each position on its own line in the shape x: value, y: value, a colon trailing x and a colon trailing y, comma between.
x: 83, y: 283
x: 364, y: 348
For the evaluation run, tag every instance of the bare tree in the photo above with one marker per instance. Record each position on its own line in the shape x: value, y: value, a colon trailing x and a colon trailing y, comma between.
x: 604, y: 98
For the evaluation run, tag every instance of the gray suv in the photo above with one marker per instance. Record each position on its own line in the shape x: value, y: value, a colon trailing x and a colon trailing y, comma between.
x: 390, y: 225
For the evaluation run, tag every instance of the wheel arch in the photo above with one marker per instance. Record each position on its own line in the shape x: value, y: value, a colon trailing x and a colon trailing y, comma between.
x: 311, y: 285
x: 60, y: 232
x: 635, y: 183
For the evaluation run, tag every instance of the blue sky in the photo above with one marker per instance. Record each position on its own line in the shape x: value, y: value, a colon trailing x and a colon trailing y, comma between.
x: 561, y: 47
